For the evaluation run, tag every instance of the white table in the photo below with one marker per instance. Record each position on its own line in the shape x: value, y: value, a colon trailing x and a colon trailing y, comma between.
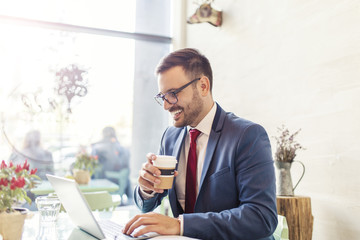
x: 64, y: 229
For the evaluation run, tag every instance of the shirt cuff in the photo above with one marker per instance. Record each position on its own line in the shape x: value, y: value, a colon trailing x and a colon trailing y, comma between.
x: 146, y: 195
x: 181, y: 220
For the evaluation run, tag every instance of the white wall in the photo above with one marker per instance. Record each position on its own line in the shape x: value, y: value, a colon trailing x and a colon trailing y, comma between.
x: 296, y: 63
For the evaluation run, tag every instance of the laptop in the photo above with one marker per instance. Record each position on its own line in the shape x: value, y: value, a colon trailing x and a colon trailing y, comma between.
x: 80, y: 213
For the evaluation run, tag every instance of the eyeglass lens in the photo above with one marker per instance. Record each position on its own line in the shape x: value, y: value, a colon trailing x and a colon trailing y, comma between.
x: 170, y: 97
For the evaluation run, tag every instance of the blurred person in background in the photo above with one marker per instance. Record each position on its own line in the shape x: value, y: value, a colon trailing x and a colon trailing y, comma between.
x: 112, y: 157
x: 35, y: 154
x: 37, y: 157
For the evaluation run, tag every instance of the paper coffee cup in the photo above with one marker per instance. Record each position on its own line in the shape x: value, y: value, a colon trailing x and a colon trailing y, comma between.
x: 166, y: 164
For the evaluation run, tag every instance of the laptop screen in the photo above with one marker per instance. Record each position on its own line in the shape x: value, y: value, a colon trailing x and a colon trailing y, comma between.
x: 75, y: 205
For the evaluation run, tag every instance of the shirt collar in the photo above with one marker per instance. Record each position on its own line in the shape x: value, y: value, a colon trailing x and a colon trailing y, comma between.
x: 205, y: 124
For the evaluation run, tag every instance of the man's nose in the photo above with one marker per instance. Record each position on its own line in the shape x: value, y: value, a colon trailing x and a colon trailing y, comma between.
x: 167, y: 105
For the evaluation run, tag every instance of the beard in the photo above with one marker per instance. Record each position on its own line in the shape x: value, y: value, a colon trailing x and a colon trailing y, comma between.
x: 190, y: 111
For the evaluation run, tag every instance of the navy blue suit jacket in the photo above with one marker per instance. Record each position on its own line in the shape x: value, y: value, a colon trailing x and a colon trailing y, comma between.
x: 237, y: 196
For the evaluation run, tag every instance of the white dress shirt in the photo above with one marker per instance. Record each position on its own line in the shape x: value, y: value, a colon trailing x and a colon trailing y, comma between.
x: 201, y: 144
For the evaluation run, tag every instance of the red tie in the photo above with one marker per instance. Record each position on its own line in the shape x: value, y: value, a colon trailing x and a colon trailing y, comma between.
x: 190, y: 191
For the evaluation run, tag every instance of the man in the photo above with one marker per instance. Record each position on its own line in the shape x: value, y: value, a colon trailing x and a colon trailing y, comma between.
x: 234, y: 183
x: 113, y: 158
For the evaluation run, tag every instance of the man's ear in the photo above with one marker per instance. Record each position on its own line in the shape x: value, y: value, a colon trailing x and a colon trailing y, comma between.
x: 204, y: 84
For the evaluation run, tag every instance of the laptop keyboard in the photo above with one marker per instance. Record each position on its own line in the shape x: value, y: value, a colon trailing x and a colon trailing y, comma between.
x: 113, y: 230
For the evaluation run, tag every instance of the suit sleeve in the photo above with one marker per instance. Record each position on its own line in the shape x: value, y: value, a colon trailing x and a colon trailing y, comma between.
x: 148, y: 205
x: 255, y: 217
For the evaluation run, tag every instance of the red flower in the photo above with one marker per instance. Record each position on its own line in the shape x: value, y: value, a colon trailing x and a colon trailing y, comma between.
x: 3, y: 164
x: 26, y: 165
x: 4, y: 182
x: 20, y: 182
x: 13, y: 180
x: 18, y: 168
x: 33, y: 171
x: 17, y: 183
x: 13, y: 183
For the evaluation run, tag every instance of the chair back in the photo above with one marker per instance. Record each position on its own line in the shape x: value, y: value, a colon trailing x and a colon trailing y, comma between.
x: 122, y: 178
x: 102, y: 200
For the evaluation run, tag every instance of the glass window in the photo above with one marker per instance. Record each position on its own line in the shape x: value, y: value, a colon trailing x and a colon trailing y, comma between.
x: 116, y: 84
x: 30, y: 99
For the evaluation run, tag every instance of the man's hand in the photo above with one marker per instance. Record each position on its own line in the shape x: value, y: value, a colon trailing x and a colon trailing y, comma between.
x: 152, y: 222
x: 148, y: 175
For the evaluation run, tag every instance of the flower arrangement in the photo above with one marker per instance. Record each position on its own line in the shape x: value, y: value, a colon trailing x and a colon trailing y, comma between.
x: 86, y: 162
x: 14, y: 182
x: 286, y: 145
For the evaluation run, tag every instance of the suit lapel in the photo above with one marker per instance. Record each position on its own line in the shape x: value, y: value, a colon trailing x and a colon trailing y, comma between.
x: 178, y: 144
x: 213, y: 141
x: 176, y: 152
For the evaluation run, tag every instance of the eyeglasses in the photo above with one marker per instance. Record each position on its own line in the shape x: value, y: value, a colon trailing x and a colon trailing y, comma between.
x: 171, y: 97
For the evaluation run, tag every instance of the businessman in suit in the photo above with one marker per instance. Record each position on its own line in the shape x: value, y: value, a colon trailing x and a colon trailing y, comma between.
x: 224, y: 186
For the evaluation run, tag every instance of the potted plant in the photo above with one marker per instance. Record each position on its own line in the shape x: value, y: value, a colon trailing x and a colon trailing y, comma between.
x: 284, y: 157
x: 84, y: 167
x: 14, y: 182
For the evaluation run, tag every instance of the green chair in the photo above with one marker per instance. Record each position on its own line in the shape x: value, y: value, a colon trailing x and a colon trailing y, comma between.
x: 282, y: 230
x: 121, y: 177
x: 102, y: 200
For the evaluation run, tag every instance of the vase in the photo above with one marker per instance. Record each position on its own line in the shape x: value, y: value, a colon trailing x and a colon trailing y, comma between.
x: 284, y: 182
x: 12, y: 224
x: 81, y: 176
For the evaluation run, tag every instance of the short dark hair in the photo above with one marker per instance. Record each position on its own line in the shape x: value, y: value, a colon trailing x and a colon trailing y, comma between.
x: 191, y: 60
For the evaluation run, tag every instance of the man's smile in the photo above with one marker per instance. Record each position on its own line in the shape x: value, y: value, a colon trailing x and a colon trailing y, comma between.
x: 176, y: 114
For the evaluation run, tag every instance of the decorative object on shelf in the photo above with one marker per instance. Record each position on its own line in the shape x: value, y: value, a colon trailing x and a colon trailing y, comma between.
x: 206, y: 13
x: 284, y: 157
x: 84, y: 167
x: 71, y: 83
x: 14, y: 182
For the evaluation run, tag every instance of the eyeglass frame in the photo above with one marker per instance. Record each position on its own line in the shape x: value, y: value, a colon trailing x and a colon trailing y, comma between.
x: 161, y: 96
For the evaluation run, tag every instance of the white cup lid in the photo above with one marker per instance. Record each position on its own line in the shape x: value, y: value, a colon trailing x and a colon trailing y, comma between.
x: 165, y: 161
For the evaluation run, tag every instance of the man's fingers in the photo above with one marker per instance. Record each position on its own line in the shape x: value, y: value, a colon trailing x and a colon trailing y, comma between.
x: 134, y: 225
x: 128, y: 225
x: 152, y: 222
x: 146, y: 182
x: 151, y: 169
x: 137, y: 221
x: 149, y: 176
x: 151, y: 156
x: 144, y: 230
